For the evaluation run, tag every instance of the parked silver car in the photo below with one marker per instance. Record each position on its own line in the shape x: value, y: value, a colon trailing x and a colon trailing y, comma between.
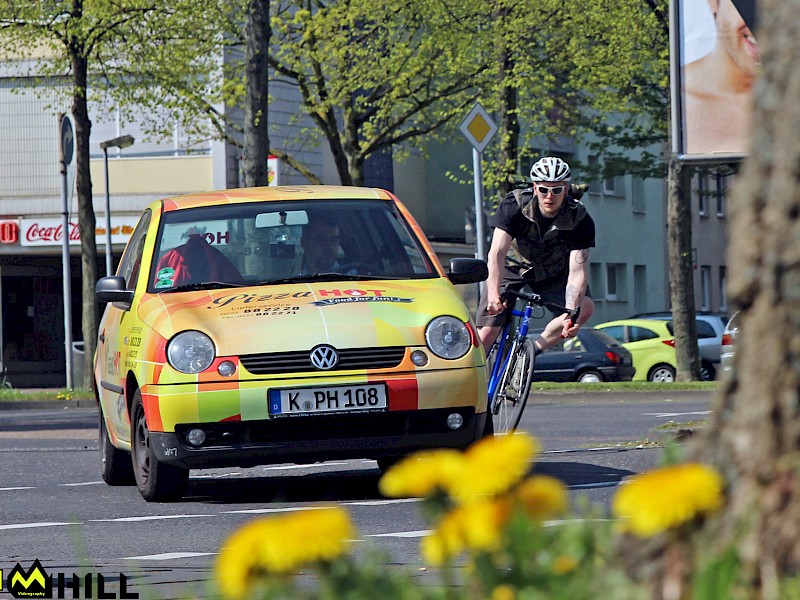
x: 710, y: 328
x: 729, y: 342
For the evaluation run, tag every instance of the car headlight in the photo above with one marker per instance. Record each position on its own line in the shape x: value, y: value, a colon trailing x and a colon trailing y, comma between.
x: 448, y: 337
x: 190, y: 352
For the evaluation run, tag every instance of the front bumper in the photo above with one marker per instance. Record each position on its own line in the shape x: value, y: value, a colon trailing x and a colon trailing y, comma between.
x: 317, y: 438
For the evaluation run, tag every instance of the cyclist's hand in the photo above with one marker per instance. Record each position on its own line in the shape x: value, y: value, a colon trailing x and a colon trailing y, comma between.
x: 495, y: 304
x: 568, y: 328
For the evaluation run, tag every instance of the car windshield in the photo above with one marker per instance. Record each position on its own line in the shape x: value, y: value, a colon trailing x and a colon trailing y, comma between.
x: 283, y: 242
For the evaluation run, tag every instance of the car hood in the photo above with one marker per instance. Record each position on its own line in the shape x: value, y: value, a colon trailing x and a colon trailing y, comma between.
x: 299, y: 316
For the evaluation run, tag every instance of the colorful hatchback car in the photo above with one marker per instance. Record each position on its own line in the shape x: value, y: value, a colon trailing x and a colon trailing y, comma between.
x: 281, y: 324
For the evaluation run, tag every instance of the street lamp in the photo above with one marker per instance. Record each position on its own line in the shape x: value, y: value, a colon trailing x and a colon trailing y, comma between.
x: 118, y: 142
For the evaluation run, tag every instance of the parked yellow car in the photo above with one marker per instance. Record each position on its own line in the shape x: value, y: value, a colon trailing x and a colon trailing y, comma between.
x: 282, y: 324
x: 651, y: 344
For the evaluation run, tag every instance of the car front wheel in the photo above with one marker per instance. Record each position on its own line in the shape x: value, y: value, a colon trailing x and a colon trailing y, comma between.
x: 157, y: 482
x: 662, y: 373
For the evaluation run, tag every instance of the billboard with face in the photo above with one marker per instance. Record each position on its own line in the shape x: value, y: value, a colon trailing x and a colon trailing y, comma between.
x: 717, y: 62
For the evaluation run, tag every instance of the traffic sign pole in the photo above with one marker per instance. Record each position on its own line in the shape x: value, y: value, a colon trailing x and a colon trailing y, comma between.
x: 480, y: 237
x: 66, y: 150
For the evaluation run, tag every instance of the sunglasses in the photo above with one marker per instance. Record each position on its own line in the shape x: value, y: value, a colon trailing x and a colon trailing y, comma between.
x: 543, y: 190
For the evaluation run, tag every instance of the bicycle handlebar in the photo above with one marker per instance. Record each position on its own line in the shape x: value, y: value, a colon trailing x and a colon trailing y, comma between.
x: 577, y: 189
x: 557, y: 309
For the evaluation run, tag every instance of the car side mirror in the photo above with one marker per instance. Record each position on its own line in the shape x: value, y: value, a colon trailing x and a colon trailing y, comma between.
x: 467, y: 270
x: 112, y: 289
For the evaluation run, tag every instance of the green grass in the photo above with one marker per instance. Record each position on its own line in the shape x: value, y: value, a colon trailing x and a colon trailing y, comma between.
x: 21, y: 395
x: 638, y: 386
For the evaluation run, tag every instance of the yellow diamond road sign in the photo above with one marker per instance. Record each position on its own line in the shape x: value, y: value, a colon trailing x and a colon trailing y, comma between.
x: 478, y: 127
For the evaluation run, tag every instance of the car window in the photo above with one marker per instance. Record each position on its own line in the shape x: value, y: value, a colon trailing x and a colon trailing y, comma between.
x: 704, y: 329
x: 603, y: 336
x: 616, y: 331
x: 263, y: 242
x: 638, y: 333
x: 132, y: 258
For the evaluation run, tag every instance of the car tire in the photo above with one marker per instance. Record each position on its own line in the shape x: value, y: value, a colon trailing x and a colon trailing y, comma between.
x: 157, y: 481
x: 707, y: 372
x: 590, y: 376
x: 116, y: 467
x: 662, y: 373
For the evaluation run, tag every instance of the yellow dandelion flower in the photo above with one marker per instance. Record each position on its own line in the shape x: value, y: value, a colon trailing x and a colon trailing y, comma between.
x: 422, y: 473
x: 445, y: 543
x: 504, y: 592
x: 281, y: 545
x: 237, y: 565
x: 658, y: 500
x: 481, y: 524
x: 542, y: 497
x: 493, y: 465
x: 564, y: 564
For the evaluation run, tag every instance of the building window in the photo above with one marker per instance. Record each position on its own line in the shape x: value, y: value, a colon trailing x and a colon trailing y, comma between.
x: 640, y: 288
x: 615, y: 282
x: 637, y: 191
x: 702, y: 195
x: 723, y: 288
x: 705, y: 288
x: 721, y: 193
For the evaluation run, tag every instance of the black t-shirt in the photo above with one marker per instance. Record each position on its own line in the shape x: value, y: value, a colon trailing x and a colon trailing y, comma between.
x: 510, y: 219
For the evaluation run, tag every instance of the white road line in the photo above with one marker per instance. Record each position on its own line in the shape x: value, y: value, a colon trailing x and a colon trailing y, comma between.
x: 678, y: 414
x: 169, y: 556
x: 321, y: 465
x: 404, y: 534
x: 148, y: 518
x: 380, y: 502
x: 258, y: 511
x: 9, y: 489
x: 79, y: 484
x: 33, y: 525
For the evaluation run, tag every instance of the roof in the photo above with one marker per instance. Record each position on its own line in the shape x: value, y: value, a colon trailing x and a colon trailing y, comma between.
x: 273, y: 194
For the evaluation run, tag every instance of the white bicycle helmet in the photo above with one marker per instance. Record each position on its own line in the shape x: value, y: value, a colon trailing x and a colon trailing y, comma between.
x: 550, y: 169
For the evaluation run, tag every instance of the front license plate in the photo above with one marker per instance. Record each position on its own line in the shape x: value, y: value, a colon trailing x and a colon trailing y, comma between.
x: 346, y: 398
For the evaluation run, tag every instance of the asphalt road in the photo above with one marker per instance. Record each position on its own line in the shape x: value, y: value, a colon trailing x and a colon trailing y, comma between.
x: 55, y: 508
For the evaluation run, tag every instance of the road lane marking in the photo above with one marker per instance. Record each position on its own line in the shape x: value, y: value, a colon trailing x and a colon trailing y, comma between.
x: 321, y: 465
x: 404, y: 534
x: 148, y: 518
x: 33, y: 525
x: 381, y: 502
x: 678, y: 414
x: 81, y: 483
x: 9, y: 489
x: 258, y: 511
x: 169, y: 556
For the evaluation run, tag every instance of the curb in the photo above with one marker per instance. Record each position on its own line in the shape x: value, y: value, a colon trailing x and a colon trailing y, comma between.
x: 47, y: 404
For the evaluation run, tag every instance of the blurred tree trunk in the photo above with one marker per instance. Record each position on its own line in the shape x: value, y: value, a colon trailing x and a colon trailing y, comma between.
x: 256, y: 131
x: 681, y: 269
x: 753, y: 436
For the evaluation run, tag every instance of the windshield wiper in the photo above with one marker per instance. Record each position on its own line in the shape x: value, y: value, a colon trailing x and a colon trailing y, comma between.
x: 204, y: 285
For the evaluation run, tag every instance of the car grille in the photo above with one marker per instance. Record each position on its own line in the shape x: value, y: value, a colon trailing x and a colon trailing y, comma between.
x: 349, y: 359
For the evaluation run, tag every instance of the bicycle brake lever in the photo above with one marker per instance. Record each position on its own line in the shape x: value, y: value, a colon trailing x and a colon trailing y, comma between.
x: 573, y: 316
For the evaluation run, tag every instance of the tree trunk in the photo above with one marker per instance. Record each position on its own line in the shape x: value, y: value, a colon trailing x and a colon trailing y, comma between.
x: 256, y: 132
x: 509, y: 124
x: 753, y: 435
x: 86, y: 217
x: 679, y: 236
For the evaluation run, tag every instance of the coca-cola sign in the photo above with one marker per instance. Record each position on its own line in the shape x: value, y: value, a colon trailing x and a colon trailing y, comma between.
x: 50, y: 231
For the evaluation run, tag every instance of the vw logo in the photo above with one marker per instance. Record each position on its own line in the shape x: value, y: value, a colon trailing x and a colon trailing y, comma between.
x: 324, y: 358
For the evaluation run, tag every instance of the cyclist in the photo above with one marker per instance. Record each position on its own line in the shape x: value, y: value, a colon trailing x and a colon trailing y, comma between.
x: 541, y: 239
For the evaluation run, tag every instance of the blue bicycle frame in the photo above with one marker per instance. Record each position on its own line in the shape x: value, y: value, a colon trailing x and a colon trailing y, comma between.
x: 522, y: 331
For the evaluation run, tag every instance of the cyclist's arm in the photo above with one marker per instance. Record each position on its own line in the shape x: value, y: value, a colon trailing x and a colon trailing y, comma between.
x: 577, y: 280
x: 501, y: 242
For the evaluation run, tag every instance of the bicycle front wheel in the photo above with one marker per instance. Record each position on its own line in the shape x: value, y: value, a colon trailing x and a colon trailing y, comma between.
x: 512, y: 391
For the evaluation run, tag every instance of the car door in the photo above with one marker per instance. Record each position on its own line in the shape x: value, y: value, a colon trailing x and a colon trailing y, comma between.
x: 113, y: 343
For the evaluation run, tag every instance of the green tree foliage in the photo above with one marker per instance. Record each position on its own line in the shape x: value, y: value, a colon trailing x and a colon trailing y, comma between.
x: 122, y: 46
x: 376, y: 75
